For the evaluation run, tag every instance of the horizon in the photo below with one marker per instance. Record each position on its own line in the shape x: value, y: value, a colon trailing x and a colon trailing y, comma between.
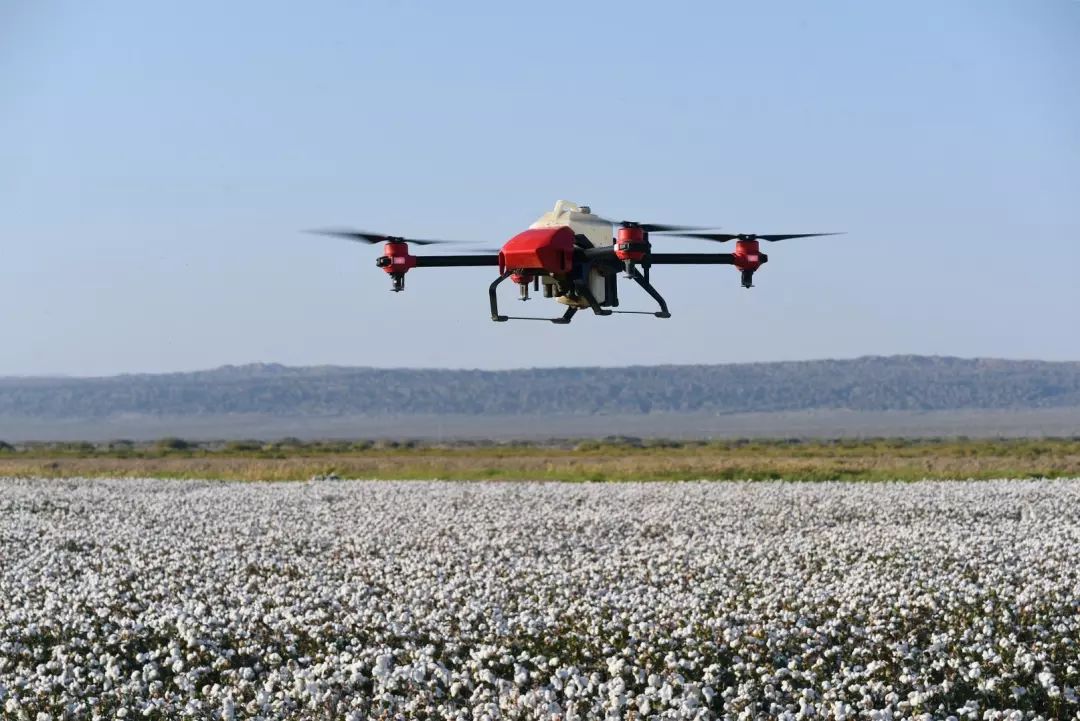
x: 334, y: 366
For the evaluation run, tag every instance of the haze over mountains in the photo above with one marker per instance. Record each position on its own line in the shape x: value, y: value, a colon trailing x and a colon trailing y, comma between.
x: 271, y: 399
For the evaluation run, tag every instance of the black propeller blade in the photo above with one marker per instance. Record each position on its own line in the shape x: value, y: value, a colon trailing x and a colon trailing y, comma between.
x: 724, y: 237
x: 652, y: 227
x: 362, y: 236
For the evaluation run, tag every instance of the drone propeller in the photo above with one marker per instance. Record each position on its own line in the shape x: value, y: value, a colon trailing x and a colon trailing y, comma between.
x: 652, y: 227
x: 362, y: 236
x: 724, y: 237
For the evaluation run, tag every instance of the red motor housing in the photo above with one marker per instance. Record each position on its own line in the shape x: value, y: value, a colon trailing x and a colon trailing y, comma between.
x: 630, y: 244
x: 747, y: 255
x: 544, y: 249
x: 396, y: 258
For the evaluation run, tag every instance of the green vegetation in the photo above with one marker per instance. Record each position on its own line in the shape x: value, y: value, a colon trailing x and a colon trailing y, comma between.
x: 612, y: 459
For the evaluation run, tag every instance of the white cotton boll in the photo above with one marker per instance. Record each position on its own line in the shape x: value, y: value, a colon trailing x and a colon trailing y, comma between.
x: 382, y: 667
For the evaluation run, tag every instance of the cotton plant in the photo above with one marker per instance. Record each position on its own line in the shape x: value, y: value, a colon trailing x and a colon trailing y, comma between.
x: 142, y: 598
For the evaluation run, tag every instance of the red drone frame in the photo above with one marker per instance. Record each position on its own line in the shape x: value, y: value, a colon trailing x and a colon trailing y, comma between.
x: 570, y: 253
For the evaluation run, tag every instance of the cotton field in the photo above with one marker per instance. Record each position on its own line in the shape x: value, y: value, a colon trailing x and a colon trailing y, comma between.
x: 356, y: 600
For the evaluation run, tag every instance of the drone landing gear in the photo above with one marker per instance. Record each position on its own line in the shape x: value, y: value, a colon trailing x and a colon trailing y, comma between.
x: 565, y: 318
x: 641, y: 280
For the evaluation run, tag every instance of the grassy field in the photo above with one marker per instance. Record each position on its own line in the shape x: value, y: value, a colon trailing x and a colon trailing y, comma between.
x: 609, y: 460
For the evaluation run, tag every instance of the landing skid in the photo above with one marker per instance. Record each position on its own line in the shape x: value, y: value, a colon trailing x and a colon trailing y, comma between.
x: 560, y: 320
x: 653, y: 293
x: 583, y: 291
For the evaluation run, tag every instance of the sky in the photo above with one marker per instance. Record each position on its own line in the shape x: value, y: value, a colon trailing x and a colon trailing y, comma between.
x: 159, y: 162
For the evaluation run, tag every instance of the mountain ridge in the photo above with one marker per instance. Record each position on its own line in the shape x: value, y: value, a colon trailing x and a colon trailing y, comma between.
x: 868, y: 383
x: 281, y: 368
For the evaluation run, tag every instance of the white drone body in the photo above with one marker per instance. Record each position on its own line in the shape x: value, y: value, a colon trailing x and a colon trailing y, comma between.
x: 595, y: 229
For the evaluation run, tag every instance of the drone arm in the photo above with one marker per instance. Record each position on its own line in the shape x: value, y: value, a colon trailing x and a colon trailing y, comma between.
x: 456, y: 261
x: 694, y: 258
x: 746, y: 264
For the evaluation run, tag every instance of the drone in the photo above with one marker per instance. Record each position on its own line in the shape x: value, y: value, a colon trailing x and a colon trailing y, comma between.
x: 573, y: 256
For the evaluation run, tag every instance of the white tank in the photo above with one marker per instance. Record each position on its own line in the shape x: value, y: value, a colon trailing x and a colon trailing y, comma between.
x: 598, y: 232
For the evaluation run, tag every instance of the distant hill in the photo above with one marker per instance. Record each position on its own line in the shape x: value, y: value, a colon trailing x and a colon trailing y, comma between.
x: 896, y: 383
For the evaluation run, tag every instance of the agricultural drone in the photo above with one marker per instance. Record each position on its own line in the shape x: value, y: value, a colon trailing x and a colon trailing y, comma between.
x: 571, y: 255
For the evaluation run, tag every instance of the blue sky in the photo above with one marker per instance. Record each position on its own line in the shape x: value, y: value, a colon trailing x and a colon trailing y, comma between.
x: 159, y: 160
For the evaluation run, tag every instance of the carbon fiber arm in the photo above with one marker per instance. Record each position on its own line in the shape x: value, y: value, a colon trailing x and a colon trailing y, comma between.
x: 607, y: 253
x: 692, y: 259
x: 456, y: 261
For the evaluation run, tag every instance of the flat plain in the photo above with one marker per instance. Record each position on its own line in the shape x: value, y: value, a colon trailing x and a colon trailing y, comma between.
x: 145, y: 598
x: 612, y: 459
